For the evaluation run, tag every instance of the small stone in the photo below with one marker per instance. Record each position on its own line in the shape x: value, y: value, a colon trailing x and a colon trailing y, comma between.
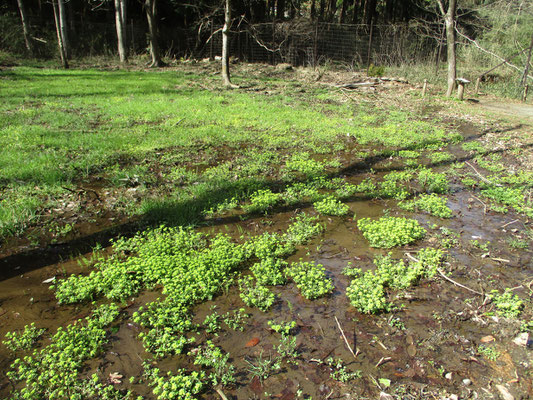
x: 448, y: 376
x: 467, y: 382
x: 454, y: 397
x: 506, y: 395
x: 522, y: 339
x: 385, y: 396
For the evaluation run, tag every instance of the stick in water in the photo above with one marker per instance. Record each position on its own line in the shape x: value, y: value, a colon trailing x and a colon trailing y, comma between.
x: 344, y: 337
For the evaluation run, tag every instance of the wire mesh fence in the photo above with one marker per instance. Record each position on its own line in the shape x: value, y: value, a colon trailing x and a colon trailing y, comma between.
x: 299, y: 42
x: 308, y: 43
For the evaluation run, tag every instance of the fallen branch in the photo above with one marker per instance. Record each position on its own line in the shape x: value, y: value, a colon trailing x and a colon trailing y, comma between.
x: 344, y: 337
x: 481, y: 176
x: 504, y: 61
x: 458, y: 284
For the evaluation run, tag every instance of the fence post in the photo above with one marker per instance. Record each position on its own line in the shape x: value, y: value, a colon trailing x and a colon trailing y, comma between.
x: 132, y: 38
x: 273, y: 40
x: 211, y: 56
x: 369, y: 46
x: 437, y: 59
x: 315, y: 46
x: 478, y: 82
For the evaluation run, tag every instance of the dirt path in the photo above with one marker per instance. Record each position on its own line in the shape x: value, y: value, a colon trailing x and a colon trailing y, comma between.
x: 519, y: 110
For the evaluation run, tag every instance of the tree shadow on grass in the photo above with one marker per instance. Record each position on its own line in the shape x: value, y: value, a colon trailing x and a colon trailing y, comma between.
x: 191, y: 211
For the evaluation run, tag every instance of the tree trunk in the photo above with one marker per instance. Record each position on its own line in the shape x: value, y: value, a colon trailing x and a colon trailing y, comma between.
x: 60, y: 45
x: 151, y: 16
x: 526, y: 67
x: 355, y: 15
x: 370, y: 11
x: 343, y: 11
x: 322, y: 10
x: 63, y: 27
x: 25, y: 27
x: 389, y: 6
x: 280, y: 9
x: 313, y: 9
x: 120, y: 23
x: 449, y: 20
x: 225, y: 45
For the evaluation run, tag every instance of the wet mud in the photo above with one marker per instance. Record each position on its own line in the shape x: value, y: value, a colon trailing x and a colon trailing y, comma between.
x: 432, y: 353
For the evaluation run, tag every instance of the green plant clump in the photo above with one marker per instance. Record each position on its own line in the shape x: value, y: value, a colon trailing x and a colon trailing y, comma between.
x: 389, y: 232
x: 507, y: 304
x: 303, y: 163
x: 180, y: 385
x: 367, y: 290
x: 24, y: 340
x: 310, y: 278
x: 52, y: 372
x: 433, y: 182
x: 262, y: 200
x: 339, y: 372
x: 430, y: 203
x: 282, y: 327
x: 489, y: 352
x: 255, y: 295
x: 269, y: 271
x: 331, y: 206
x: 211, y: 356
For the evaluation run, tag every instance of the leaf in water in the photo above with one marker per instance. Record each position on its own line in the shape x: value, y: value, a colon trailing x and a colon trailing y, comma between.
x: 252, y: 342
x: 487, y: 339
x: 115, y: 377
x: 384, y: 382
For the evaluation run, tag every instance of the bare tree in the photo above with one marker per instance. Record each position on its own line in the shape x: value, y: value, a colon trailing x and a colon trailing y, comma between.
x: 449, y: 22
x: 153, y: 31
x: 25, y: 27
x: 528, y: 61
x: 225, y: 46
x: 120, y: 23
x: 60, y: 39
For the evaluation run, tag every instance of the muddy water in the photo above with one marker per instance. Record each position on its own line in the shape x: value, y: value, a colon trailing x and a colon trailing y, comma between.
x: 432, y: 355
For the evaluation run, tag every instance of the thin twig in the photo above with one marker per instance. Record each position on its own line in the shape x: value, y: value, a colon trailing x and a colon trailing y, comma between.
x: 221, y: 393
x: 481, y: 176
x: 321, y: 330
x: 412, y: 258
x: 458, y: 284
x: 484, y: 205
x: 344, y: 337
x: 503, y: 260
x: 382, y: 361
x: 509, y: 223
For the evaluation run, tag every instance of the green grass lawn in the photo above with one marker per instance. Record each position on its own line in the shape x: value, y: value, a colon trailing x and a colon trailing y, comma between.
x: 61, y: 128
